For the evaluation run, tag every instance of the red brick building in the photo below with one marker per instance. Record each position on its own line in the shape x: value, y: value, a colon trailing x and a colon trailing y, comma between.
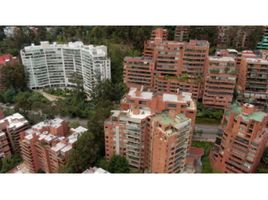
x: 47, y: 145
x: 182, y: 33
x: 10, y: 127
x: 220, y: 81
x: 241, y: 145
x: 252, y: 85
x: 172, y: 65
x: 136, y: 130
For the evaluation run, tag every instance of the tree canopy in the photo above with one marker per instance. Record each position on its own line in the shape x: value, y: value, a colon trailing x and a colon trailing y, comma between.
x: 83, y: 155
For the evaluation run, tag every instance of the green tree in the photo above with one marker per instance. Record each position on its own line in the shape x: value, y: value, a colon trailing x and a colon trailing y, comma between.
x: 9, y: 95
x: 9, y: 163
x: 83, y: 155
x: 118, y: 164
x: 265, y: 157
x: 13, y: 76
x: 103, y: 163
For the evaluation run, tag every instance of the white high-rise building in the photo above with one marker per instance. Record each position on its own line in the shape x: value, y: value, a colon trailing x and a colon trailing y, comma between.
x: 56, y: 65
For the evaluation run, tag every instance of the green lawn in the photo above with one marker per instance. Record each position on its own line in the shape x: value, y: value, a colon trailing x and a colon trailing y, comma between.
x: 206, y: 168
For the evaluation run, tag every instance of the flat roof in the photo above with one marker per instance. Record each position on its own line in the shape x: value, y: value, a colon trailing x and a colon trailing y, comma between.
x: 144, y: 94
x: 14, y: 121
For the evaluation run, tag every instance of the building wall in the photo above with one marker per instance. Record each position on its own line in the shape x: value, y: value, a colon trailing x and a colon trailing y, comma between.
x: 4, y: 146
x: 241, y: 145
x: 253, y: 82
x: 54, y: 65
x: 220, y: 80
x: 175, y: 65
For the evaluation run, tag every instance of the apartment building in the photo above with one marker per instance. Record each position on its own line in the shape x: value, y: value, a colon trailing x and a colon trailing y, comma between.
x: 220, y: 81
x: 172, y: 65
x: 138, y: 70
x: 11, y: 126
x: 128, y: 131
x: 46, y: 146
x: 252, y: 83
x: 4, y: 146
x: 170, y: 134
x: 244, y: 54
x: 181, y: 33
x: 244, y: 135
x: 59, y: 65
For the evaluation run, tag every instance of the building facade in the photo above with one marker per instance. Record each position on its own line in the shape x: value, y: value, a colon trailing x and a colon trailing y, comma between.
x: 60, y: 65
x: 220, y: 81
x: 182, y: 33
x: 172, y: 65
x: 11, y: 126
x: 5, y: 150
x: 252, y: 83
x: 46, y: 146
x: 241, y: 145
x: 132, y: 131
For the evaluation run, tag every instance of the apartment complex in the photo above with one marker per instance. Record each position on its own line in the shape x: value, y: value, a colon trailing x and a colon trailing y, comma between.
x: 252, y: 83
x: 167, y: 66
x: 59, y: 65
x: 146, y: 121
x: 10, y: 128
x: 220, y: 80
x: 182, y: 33
x: 46, y: 146
x: 241, y: 145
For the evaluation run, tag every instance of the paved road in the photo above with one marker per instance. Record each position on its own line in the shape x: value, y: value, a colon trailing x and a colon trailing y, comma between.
x: 50, y: 97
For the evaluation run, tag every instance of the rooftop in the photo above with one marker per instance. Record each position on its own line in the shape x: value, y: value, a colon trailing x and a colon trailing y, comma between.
x: 95, y: 50
x: 143, y: 94
x: 238, y: 110
x: 178, y: 122
x: 5, y: 58
x: 57, y: 143
x: 14, y: 121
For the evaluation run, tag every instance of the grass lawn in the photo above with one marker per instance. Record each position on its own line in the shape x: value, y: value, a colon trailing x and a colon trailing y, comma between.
x: 206, y: 167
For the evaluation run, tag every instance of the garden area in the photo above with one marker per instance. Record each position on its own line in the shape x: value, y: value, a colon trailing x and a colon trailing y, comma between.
x: 206, y: 166
x: 209, y: 116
